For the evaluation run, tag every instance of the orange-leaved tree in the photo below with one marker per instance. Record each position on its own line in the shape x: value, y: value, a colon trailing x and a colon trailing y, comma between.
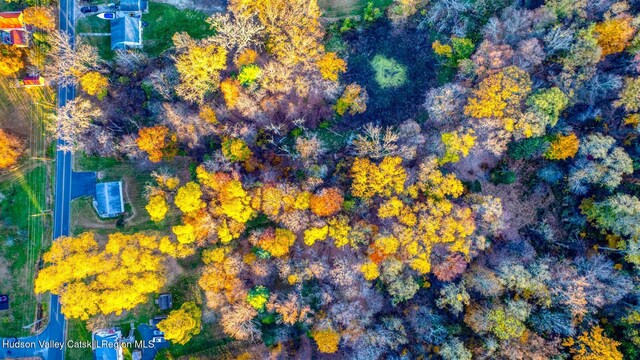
x: 614, y: 34
x: 563, y: 147
x: 10, y: 148
x: 327, y: 202
x: 157, y: 142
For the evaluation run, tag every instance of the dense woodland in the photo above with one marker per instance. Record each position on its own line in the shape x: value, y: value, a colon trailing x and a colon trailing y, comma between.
x: 437, y: 179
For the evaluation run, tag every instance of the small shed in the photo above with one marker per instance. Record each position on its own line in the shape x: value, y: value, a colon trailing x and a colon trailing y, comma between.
x: 31, y: 81
x: 164, y: 301
x: 108, y: 200
x: 134, y: 6
x: 126, y: 32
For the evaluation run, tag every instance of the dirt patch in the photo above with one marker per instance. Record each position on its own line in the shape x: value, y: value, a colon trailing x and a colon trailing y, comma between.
x: 206, y: 6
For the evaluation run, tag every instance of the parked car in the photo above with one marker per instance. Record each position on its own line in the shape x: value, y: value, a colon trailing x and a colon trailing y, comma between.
x: 88, y: 9
x: 107, y: 16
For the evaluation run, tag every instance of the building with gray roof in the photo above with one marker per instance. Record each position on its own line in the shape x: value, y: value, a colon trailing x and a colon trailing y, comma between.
x: 126, y: 32
x: 108, y: 200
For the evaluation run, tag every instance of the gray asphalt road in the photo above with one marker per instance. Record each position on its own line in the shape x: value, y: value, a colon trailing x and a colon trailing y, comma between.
x: 49, y: 344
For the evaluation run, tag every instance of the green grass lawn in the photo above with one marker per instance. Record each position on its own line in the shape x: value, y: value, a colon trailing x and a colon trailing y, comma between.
x: 23, y: 229
x: 77, y: 331
x: 85, y: 218
x: 93, y: 24
x: 209, y: 344
x: 103, y: 43
x: 341, y: 8
x: 165, y: 20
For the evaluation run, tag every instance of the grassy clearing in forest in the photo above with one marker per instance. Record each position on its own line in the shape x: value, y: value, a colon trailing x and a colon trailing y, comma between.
x: 342, y: 8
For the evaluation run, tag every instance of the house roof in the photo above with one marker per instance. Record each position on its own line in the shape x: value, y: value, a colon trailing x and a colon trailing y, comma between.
x: 133, y: 5
x: 32, y: 80
x: 125, y: 31
x: 108, y: 201
x: 19, y: 37
x: 106, y: 348
x: 11, y: 20
x: 165, y: 302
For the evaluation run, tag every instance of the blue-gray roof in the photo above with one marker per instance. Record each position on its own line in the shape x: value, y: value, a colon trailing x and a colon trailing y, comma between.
x: 108, y: 201
x: 133, y: 5
x: 106, y: 348
x: 125, y: 31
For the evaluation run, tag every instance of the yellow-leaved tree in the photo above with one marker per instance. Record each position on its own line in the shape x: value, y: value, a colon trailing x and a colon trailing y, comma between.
x: 327, y: 340
x: 593, y: 345
x: 331, y: 66
x: 182, y: 324
x: 563, y: 147
x: 500, y: 95
x: 199, y: 65
x: 10, y: 148
x: 10, y: 60
x: 157, y: 207
x: 189, y: 198
x: 92, y: 280
x: 94, y: 84
x: 370, y: 179
x: 41, y: 17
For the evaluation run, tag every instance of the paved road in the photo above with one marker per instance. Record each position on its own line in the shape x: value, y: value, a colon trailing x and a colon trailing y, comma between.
x: 49, y: 343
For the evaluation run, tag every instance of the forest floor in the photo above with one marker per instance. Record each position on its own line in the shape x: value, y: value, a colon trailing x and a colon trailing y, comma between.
x: 410, y: 48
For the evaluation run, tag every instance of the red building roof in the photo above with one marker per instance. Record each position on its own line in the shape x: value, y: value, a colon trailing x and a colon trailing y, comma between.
x: 19, y: 37
x: 33, y: 81
x: 11, y: 20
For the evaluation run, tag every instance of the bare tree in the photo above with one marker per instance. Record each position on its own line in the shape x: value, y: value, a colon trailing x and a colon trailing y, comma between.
x: 69, y: 60
x: 240, y: 31
x: 376, y: 143
x: 72, y: 121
